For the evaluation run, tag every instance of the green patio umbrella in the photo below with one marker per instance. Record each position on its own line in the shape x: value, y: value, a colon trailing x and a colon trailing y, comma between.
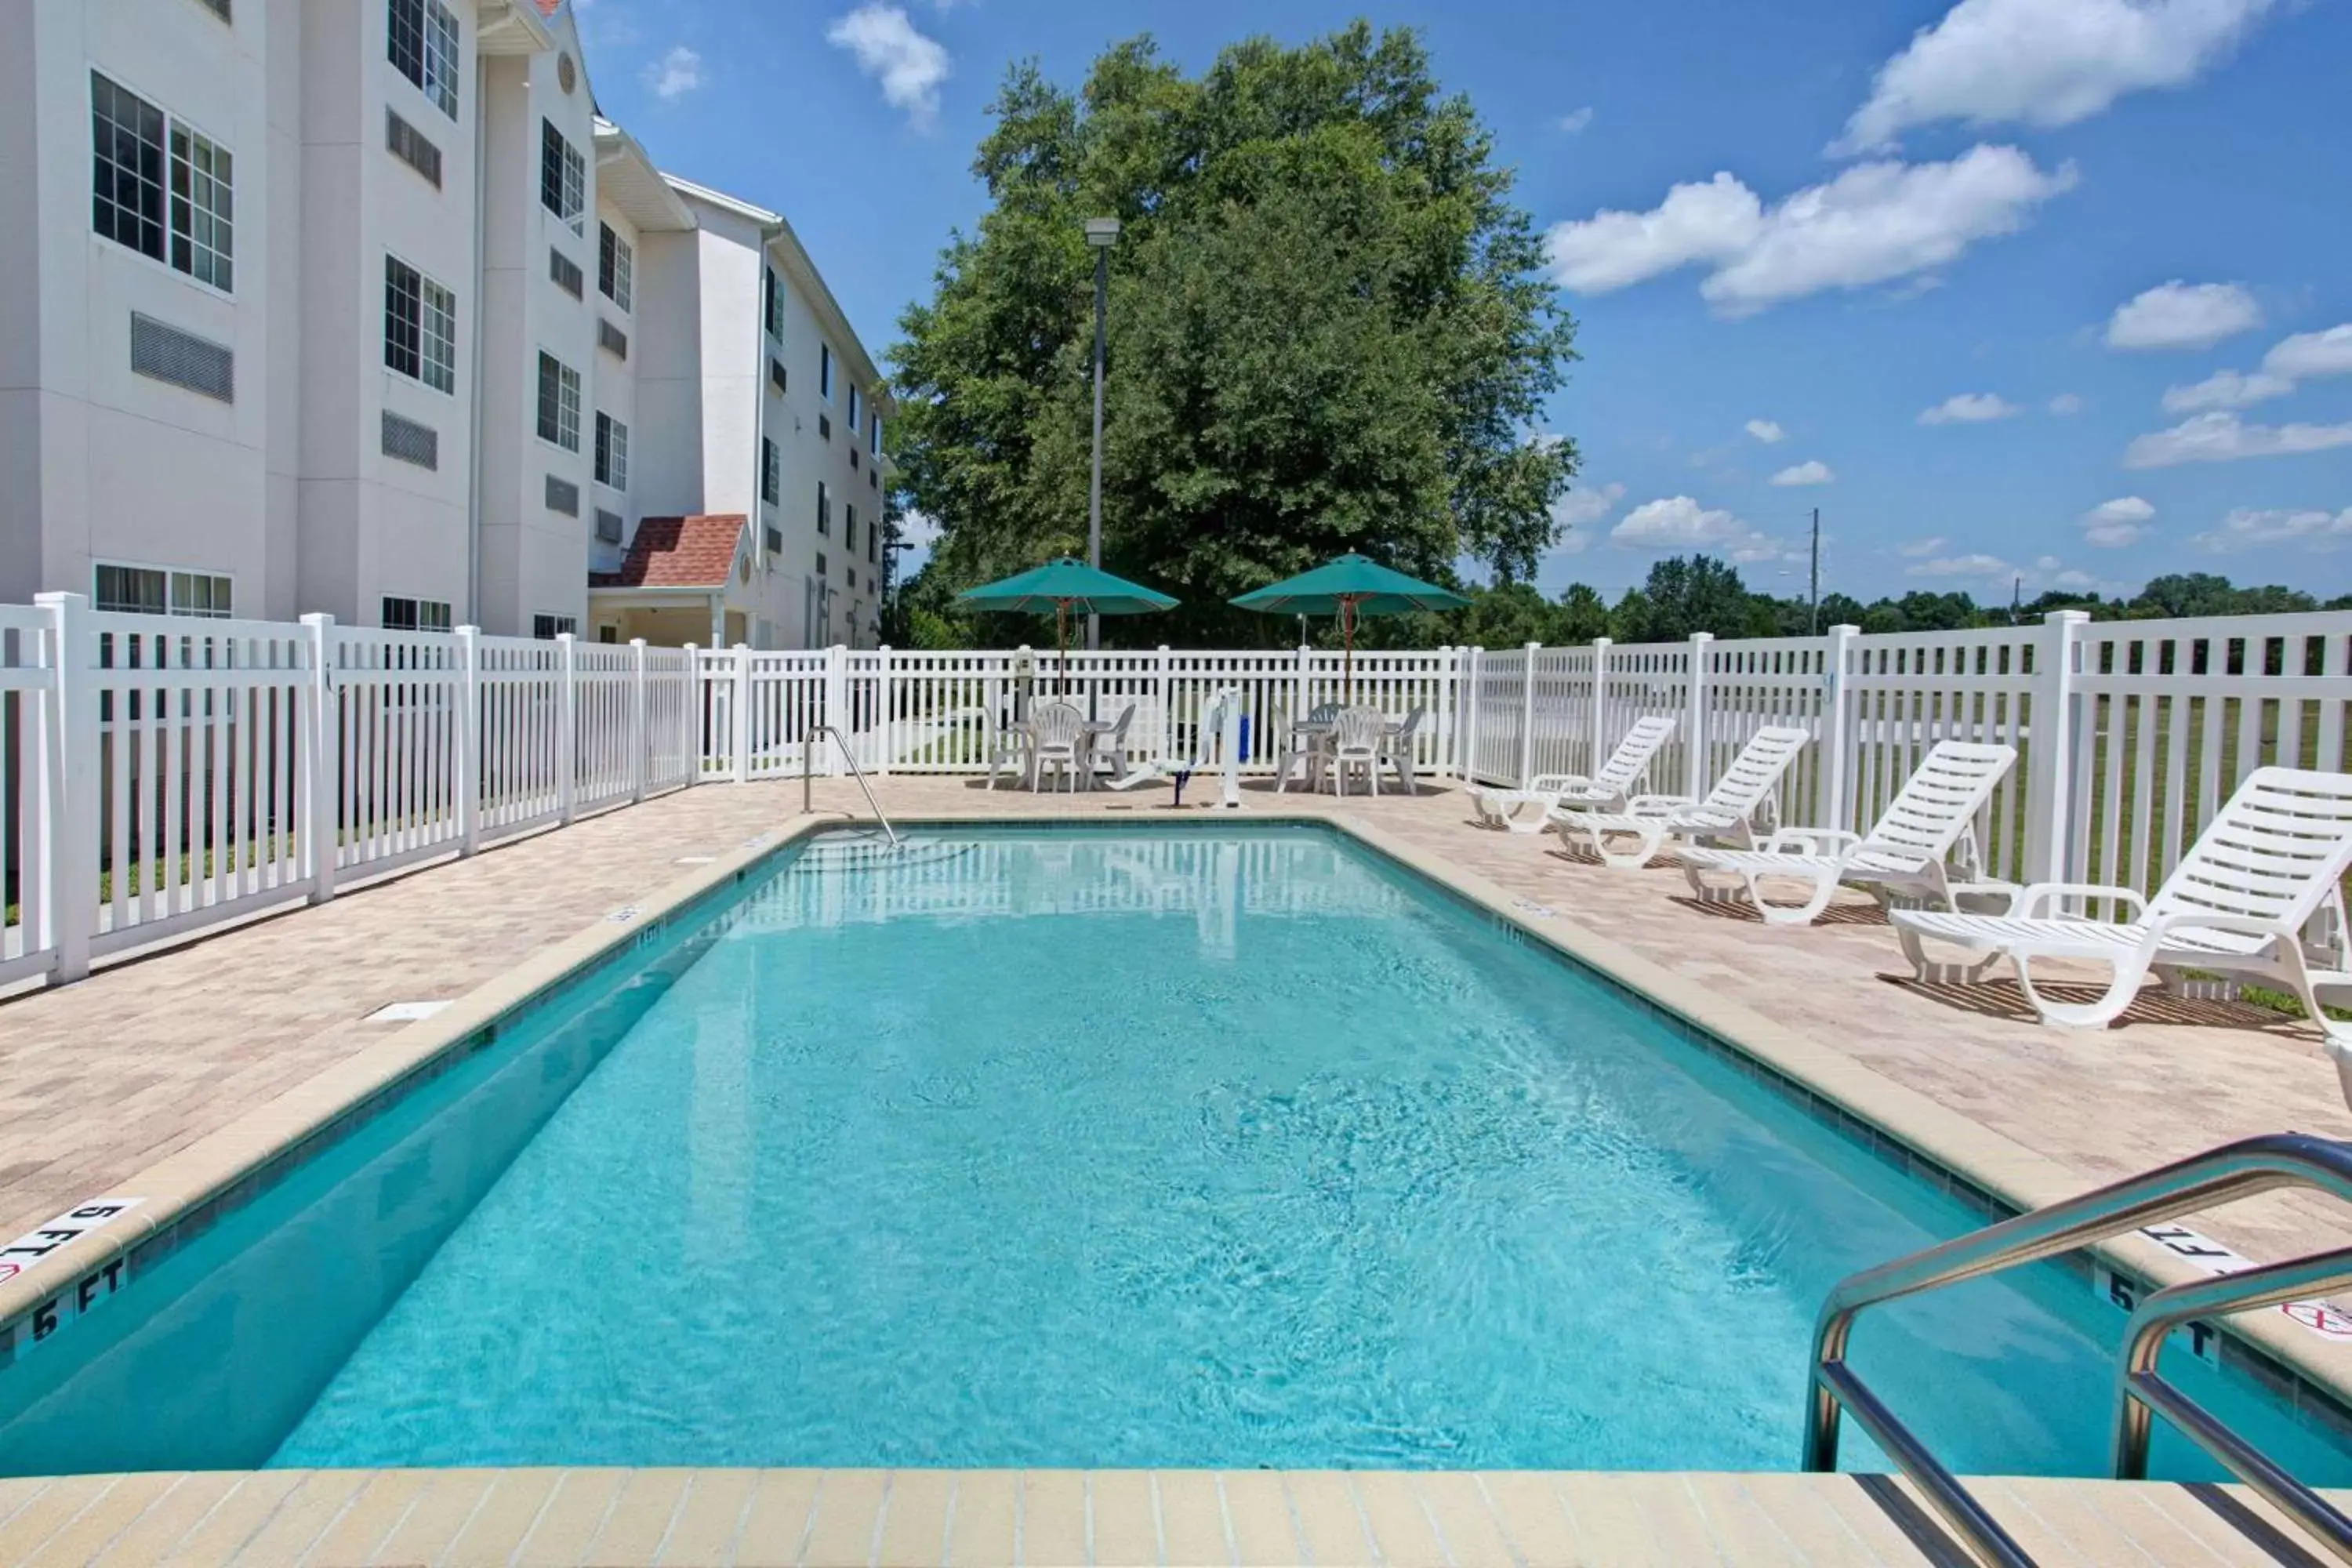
x: 1347, y: 587
x: 1061, y: 586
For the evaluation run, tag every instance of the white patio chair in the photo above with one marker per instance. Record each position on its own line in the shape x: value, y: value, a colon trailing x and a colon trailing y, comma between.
x: 1527, y: 810
x: 1008, y: 745
x: 1057, y: 740
x: 1740, y: 799
x: 1396, y: 748
x: 2265, y: 872
x: 1306, y: 747
x: 1111, y: 747
x: 1932, y: 818
x: 1356, y: 736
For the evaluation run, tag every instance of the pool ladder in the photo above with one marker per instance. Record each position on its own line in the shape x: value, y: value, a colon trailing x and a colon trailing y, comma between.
x: 808, y: 772
x: 2219, y: 1175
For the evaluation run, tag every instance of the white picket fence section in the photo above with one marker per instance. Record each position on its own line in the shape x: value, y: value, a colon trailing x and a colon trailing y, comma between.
x: 160, y: 775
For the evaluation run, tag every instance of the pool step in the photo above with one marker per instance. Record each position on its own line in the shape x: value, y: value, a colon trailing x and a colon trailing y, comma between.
x: 863, y: 851
x: 1511, y: 1518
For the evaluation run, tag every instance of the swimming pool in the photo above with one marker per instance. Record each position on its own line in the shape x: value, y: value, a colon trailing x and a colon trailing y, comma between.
x: 1200, y: 1146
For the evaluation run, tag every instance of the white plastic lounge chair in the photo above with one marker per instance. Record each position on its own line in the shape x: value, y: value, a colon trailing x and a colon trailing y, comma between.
x: 1396, y: 748
x: 2239, y: 902
x: 1729, y: 812
x: 1307, y: 746
x: 1527, y: 810
x: 1932, y: 816
x: 1008, y: 745
x: 1356, y: 736
x: 1057, y: 739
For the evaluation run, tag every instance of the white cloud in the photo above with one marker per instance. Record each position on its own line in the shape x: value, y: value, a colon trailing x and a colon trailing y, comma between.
x: 1575, y: 119
x: 1581, y: 508
x: 2307, y: 356
x: 2112, y: 524
x: 2246, y: 529
x: 2220, y: 437
x: 676, y: 73
x: 909, y: 65
x: 1874, y: 222
x: 1812, y: 472
x: 2066, y: 403
x: 1921, y: 547
x: 2044, y: 63
x: 2178, y: 315
x: 1976, y: 567
x: 1678, y: 523
x: 2225, y: 389
x: 1969, y: 408
x: 1767, y: 431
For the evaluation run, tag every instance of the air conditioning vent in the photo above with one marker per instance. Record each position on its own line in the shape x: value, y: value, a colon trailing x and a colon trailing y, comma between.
x: 776, y: 374
x: 608, y: 526
x: 407, y: 144
x: 853, y: 459
x: 183, y: 359
x: 775, y: 540
x: 411, y: 442
x: 823, y: 428
x: 612, y: 340
x: 562, y: 496
x: 567, y: 274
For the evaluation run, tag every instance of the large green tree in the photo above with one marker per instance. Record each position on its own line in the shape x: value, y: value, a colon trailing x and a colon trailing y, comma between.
x: 1329, y: 330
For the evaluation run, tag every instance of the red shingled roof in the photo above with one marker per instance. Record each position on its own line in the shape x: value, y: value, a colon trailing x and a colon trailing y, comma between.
x: 678, y: 553
x: 547, y: 7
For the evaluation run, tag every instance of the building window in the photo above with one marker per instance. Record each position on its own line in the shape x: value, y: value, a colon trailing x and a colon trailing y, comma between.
x: 548, y: 627
x: 873, y: 540
x: 421, y: 41
x: 612, y: 452
x: 874, y: 434
x: 849, y: 527
x: 852, y: 414
x: 824, y: 507
x: 559, y: 403
x: 562, y: 177
x: 414, y: 616
x: 129, y: 138
x: 606, y: 632
x: 771, y: 303
x: 771, y: 471
x: 152, y: 591
x: 820, y: 563
x: 420, y: 326
x: 615, y: 265
x: 824, y: 371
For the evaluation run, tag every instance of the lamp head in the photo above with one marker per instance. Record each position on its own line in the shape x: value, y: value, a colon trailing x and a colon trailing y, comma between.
x: 1102, y: 231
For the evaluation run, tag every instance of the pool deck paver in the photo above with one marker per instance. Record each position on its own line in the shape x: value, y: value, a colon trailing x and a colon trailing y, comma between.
x: 242, y: 1038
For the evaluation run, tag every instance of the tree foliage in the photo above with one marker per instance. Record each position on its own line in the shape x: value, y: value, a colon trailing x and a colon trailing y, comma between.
x: 1328, y: 329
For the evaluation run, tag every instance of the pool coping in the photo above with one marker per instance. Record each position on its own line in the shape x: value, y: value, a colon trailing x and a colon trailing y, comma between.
x: 1991, y: 1171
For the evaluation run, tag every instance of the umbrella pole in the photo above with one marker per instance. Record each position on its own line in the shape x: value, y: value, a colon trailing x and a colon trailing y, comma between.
x: 1348, y: 648
x: 1062, y: 639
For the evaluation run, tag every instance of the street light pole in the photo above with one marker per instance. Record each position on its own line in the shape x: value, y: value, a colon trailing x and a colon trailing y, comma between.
x: 1102, y: 232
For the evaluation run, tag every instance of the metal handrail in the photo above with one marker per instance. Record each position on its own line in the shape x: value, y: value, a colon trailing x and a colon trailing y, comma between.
x: 2219, y: 1175
x: 808, y: 757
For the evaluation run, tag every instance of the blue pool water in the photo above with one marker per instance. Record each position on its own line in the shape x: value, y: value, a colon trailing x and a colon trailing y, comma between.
x: 1210, y: 1147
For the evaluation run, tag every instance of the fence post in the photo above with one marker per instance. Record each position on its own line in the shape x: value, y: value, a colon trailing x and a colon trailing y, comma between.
x: 470, y: 739
x: 321, y: 748
x: 742, y: 714
x: 1473, y: 675
x: 567, y: 726
x: 69, y: 785
x: 1440, y: 711
x: 1599, y: 748
x: 1528, y: 714
x: 836, y: 705
x: 885, y: 687
x: 1695, y: 720
x: 640, y: 736
x: 1837, y: 731
x: 1298, y: 685
x: 1167, y: 715
x: 2050, y: 749
x: 692, y: 706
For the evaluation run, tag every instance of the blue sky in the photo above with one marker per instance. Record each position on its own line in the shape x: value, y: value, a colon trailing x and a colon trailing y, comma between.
x: 1976, y: 269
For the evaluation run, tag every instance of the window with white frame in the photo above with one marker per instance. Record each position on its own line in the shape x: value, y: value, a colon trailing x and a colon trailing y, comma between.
x: 771, y: 471
x: 562, y: 177
x: 547, y: 628
x: 824, y: 371
x: 612, y: 451
x: 158, y: 590
x: 421, y: 41
x: 615, y: 265
x: 160, y: 187
x: 559, y: 403
x: 874, y: 436
x: 853, y: 418
x: 403, y: 614
x: 420, y: 326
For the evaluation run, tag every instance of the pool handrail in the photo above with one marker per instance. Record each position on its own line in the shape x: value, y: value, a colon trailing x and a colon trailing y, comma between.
x: 2219, y: 1175
x: 808, y: 769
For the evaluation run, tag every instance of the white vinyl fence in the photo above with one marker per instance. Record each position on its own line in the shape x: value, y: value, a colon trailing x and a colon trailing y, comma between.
x: 159, y: 775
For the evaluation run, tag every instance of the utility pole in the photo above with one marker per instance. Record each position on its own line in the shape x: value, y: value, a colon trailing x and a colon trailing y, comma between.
x: 2016, y: 598
x: 1813, y: 619
x: 1102, y: 232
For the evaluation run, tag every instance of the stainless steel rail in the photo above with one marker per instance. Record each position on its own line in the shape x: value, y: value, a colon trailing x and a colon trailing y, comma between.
x: 808, y: 766
x: 2219, y: 1175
